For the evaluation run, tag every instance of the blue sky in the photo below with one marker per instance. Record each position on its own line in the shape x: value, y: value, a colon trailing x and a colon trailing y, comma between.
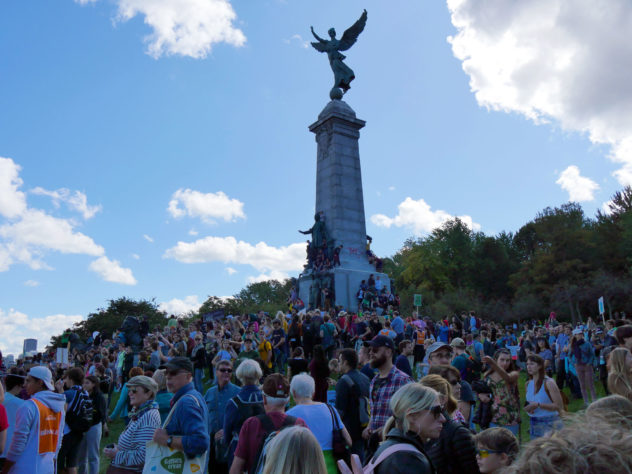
x: 159, y: 148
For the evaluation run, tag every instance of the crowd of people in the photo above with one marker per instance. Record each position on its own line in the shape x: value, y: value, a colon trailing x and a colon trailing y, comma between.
x: 326, y: 392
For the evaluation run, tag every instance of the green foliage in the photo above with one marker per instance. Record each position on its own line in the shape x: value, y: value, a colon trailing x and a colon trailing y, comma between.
x: 269, y: 296
x: 560, y: 261
x: 107, y: 320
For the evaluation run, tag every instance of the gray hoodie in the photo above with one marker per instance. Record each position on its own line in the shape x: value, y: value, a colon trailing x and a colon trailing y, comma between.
x: 24, y: 449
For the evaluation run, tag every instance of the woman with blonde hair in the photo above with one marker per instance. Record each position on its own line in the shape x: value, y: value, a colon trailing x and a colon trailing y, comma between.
x: 448, y: 401
x: 417, y: 416
x: 620, y: 375
x: 294, y: 450
x: 454, y: 450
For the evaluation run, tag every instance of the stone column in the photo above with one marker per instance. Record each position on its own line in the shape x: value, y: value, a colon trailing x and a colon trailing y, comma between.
x: 339, y: 193
x: 340, y: 199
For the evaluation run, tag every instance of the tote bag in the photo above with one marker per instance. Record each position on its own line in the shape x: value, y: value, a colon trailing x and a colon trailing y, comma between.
x: 164, y: 460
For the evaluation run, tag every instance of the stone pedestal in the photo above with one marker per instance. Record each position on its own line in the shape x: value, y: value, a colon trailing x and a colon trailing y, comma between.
x: 340, y: 199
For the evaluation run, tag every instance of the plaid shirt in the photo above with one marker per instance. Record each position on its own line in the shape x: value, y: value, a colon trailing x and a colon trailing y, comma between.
x: 381, y: 390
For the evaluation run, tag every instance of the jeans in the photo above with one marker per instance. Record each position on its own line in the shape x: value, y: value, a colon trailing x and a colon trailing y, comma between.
x: 197, y: 381
x: 89, y: 451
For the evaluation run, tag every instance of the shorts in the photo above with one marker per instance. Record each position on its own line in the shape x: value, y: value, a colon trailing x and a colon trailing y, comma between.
x: 69, y: 451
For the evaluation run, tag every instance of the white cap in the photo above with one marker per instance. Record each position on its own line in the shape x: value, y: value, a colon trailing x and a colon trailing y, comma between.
x: 577, y: 331
x: 43, y: 374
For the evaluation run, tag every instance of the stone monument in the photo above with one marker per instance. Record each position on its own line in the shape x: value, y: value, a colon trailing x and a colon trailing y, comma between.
x: 337, y: 255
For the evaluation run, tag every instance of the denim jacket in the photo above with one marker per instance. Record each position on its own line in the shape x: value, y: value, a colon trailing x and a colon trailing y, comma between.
x: 190, y: 420
x: 216, y: 401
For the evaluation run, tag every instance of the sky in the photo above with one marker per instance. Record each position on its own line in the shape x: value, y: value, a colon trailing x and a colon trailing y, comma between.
x: 160, y: 149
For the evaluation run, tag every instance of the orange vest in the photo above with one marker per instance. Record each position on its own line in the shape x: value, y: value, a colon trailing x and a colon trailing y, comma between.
x: 49, y: 426
x: 421, y: 337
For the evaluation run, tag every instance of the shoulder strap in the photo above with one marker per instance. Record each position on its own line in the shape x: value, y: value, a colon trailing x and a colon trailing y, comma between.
x: 267, y: 423
x: 289, y: 421
x: 334, y: 419
x: 173, y: 409
x: 387, y: 452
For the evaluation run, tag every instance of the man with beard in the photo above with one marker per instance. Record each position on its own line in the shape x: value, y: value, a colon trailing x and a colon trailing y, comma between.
x: 388, y: 380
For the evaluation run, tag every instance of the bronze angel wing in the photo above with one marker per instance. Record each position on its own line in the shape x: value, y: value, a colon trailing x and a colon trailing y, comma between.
x: 322, y: 47
x: 351, y: 35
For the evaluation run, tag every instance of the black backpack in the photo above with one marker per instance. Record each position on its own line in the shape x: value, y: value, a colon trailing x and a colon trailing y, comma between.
x: 245, y: 410
x: 79, y: 415
x: 269, y: 433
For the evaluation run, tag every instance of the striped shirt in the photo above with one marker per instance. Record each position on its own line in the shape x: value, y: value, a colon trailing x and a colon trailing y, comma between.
x: 381, y: 391
x: 132, y: 442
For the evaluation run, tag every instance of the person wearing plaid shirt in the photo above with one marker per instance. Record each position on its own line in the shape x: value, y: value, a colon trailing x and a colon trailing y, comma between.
x: 383, y: 385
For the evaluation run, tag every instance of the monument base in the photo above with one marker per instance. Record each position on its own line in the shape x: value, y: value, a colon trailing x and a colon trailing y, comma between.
x: 346, y: 282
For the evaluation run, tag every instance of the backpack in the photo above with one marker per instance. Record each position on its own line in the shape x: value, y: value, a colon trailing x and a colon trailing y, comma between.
x: 245, y: 410
x: 370, y: 467
x: 80, y: 412
x: 364, y: 405
x: 270, y: 432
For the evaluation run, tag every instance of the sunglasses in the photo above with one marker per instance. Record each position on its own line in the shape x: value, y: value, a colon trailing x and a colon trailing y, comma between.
x: 454, y: 382
x: 134, y: 390
x: 483, y: 453
x: 436, y: 411
x: 226, y: 371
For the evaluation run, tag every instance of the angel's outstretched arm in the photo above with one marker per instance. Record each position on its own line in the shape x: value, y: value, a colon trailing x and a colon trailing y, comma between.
x: 318, y: 38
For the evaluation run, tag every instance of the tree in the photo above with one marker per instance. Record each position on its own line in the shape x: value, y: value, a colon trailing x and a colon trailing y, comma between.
x: 107, y: 320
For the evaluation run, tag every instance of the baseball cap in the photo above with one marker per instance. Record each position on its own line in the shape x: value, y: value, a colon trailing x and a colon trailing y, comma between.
x: 43, y: 374
x: 381, y: 341
x: 275, y: 385
x: 180, y: 363
x: 457, y: 342
x: 577, y: 331
x: 147, y: 383
x: 435, y: 346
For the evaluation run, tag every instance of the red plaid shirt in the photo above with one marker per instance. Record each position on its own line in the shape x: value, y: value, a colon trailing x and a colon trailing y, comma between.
x: 381, y: 391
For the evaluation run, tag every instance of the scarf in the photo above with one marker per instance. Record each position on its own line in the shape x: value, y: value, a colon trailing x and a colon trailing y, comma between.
x: 137, y: 412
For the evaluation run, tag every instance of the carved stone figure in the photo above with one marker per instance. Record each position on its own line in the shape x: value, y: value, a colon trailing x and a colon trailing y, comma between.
x: 318, y: 231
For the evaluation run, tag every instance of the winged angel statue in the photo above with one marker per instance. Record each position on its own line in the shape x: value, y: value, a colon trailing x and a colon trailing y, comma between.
x: 343, y: 75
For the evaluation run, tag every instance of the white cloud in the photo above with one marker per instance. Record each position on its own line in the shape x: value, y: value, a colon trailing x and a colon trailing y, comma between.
x: 177, y: 306
x: 76, y: 201
x: 273, y: 275
x: 32, y: 283
x: 391, y: 188
x: 111, y: 270
x: 579, y: 187
x: 85, y: 2
x: 12, y: 200
x: 299, y: 40
x: 560, y: 60
x: 207, y: 206
x: 605, y: 208
x: 418, y: 216
x: 193, y: 232
x: 261, y: 256
x: 231, y: 270
x: 135, y: 256
x: 184, y: 27
x: 17, y: 326
x: 148, y: 238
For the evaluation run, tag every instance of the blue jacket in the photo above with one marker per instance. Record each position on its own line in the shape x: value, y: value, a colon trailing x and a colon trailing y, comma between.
x: 216, y: 401
x: 190, y: 420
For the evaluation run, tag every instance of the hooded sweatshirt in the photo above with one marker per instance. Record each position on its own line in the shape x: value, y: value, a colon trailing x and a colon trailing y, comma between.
x: 38, y: 433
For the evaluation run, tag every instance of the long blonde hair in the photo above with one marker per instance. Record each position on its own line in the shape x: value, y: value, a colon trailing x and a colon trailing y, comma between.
x: 443, y: 387
x: 409, y: 399
x: 620, y: 378
x: 294, y: 450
